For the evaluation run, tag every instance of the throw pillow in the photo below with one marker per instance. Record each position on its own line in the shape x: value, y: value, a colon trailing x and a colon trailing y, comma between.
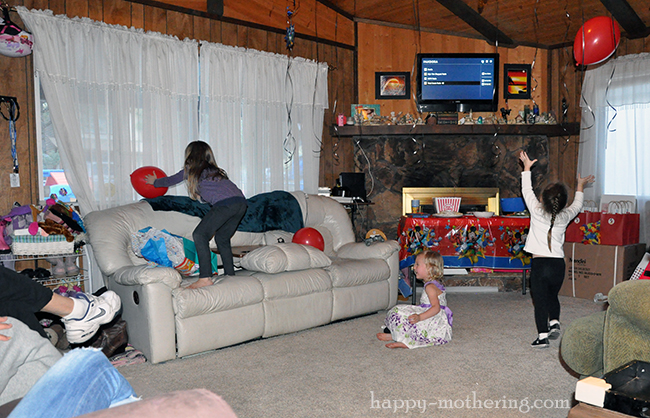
x: 284, y: 257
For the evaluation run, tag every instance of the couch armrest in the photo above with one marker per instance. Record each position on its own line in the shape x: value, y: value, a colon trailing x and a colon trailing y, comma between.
x: 581, y: 347
x: 141, y: 275
x: 360, y: 251
x: 627, y: 327
x: 629, y: 299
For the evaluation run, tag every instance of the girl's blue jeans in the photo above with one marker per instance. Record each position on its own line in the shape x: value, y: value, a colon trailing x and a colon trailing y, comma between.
x: 83, y: 381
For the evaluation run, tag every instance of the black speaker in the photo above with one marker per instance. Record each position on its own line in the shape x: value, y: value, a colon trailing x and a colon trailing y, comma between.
x: 355, y: 183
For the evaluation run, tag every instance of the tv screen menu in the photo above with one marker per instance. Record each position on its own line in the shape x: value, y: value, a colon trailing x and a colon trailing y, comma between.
x: 457, y: 78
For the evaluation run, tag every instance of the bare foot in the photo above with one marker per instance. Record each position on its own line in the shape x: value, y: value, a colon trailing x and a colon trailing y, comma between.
x: 202, y: 282
x: 396, y: 345
x: 384, y: 337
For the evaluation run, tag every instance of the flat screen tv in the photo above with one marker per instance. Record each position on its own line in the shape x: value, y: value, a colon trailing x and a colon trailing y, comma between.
x: 457, y: 82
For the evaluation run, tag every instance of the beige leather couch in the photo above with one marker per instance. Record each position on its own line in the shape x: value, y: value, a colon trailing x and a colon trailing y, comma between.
x: 167, y: 321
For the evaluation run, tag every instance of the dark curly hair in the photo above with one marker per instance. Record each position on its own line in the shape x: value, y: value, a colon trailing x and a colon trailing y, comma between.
x: 554, y: 199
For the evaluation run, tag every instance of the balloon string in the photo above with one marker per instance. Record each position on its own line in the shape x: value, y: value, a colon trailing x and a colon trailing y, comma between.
x: 591, y: 111
x: 415, y: 151
x: 567, y: 58
x: 495, y: 147
x: 416, y: 15
x: 336, y: 146
x: 337, y: 138
x: 582, y: 33
x: 609, y: 82
x: 289, y: 143
x: 532, y: 66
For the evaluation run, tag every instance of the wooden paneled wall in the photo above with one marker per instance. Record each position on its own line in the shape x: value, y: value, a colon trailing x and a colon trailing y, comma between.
x: 384, y: 48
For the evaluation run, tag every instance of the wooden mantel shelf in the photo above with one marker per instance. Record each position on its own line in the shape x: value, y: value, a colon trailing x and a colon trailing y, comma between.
x: 568, y: 129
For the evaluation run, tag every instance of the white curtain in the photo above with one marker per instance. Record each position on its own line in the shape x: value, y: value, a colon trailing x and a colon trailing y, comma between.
x: 616, y: 132
x: 263, y: 114
x: 119, y: 99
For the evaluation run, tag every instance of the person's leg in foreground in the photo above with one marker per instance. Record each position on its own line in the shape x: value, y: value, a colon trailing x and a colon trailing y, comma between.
x: 21, y: 297
x: 25, y: 356
x: 83, y: 381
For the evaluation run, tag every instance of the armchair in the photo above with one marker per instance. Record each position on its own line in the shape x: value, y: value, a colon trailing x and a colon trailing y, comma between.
x: 599, y: 343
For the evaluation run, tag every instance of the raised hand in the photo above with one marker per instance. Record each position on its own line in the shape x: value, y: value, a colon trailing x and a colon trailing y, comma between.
x: 527, y: 162
x: 583, y: 181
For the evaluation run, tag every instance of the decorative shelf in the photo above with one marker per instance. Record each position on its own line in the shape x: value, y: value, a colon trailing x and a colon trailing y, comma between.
x: 568, y: 129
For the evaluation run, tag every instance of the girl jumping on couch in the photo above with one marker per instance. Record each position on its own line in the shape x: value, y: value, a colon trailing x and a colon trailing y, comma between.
x: 548, y: 222
x: 426, y: 324
x: 209, y: 183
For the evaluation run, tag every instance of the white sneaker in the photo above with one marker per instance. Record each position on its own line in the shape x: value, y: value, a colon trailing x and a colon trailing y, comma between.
x: 89, y: 313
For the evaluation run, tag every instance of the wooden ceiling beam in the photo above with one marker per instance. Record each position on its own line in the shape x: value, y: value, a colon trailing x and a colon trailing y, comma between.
x: 337, y: 9
x: 627, y: 18
x: 470, y: 16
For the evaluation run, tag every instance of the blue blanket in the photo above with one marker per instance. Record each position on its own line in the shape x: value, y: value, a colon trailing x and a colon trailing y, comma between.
x: 266, y: 211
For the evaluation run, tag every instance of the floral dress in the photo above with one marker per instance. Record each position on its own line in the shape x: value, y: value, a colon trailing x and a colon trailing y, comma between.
x: 432, y: 331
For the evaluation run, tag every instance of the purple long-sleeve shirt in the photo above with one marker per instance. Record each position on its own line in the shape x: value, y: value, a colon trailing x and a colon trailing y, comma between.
x: 212, y: 190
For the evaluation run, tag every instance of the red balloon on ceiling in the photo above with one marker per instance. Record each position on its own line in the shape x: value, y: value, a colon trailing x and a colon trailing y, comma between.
x: 596, y: 40
x: 309, y: 236
x: 147, y: 190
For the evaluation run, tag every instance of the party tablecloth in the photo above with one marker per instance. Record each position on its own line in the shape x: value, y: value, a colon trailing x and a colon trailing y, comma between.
x: 467, y: 241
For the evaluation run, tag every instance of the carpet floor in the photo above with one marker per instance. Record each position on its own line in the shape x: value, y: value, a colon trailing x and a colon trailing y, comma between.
x: 342, y: 370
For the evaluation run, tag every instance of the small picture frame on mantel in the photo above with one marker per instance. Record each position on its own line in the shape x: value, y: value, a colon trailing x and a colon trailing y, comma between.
x: 516, y: 84
x: 392, y: 85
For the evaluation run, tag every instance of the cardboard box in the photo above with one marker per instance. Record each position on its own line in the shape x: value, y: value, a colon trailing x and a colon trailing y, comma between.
x: 592, y: 269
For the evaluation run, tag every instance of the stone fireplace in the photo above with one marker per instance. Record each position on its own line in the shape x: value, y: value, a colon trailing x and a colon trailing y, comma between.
x: 393, y: 162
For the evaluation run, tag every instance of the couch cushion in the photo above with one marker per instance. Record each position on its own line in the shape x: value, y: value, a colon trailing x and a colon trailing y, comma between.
x: 277, y: 258
x: 346, y: 272
x: 229, y: 293
x: 361, y: 251
x: 294, y: 283
x: 242, y: 239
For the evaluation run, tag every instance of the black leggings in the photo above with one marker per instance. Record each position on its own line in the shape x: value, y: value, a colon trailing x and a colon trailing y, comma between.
x: 221, y: 222
x: 21, y: 297
x: 546, y: 277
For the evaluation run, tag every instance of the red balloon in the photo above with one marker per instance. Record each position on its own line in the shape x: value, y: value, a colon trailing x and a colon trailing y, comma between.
x: 601, y: 38
x: 309, y: 236
x: 147, y: 190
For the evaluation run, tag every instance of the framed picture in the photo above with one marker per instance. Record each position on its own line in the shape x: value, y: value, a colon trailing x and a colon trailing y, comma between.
x: 392, y: 85
x: 516, y: 84
x: 365, y: 111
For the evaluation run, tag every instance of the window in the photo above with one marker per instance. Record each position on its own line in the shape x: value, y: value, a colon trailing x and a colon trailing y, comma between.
x: 628, y: 151
x: 54, y: 183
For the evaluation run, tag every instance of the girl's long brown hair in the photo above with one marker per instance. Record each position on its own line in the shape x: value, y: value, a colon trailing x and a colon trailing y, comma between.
x: 554, y: 199
x: 198, y: 158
